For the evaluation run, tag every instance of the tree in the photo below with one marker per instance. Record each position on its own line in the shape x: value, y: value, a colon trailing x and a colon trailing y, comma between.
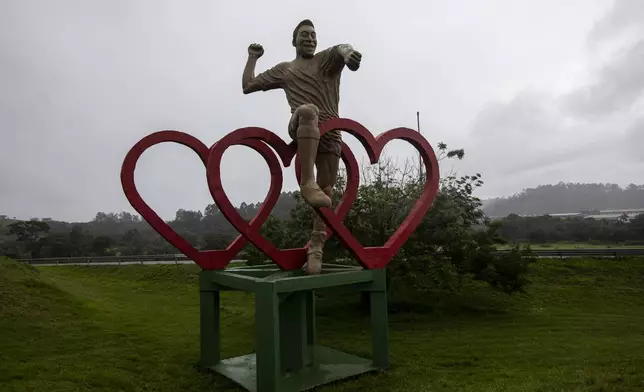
x: 100, y: 217
x: 30, y: 234
x: 28, y: 231
x: 273, y: 230
x: 213, y: 241
x: 211, y: 210
x: 101, y: 245
x: 455, y: 225
x: 58, y: 245
x: 133, y: 242
x: 79, y: 241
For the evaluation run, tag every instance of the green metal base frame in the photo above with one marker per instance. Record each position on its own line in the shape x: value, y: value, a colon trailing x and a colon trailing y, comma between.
x: 287, y: 357
x: 330, y: 365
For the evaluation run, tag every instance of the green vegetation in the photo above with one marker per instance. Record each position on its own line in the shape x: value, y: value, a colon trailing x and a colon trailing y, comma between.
x: 127, y: 234
x: 455, y: 224
x: 578, y: 327
x: 571, y: 245
x: 471, y: 321
x: 551, y: 230
x: 568, y: 198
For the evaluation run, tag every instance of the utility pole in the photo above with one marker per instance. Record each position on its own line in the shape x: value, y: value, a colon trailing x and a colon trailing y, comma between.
x: 420, y: 159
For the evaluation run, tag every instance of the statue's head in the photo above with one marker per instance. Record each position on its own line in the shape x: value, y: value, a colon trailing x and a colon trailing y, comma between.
x: 304, y: 39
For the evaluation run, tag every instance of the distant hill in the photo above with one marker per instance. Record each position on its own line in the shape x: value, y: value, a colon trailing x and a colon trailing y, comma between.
x: 566, y: 197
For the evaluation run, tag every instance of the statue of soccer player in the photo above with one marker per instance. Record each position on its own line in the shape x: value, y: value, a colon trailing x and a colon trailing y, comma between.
x: 312, y: 85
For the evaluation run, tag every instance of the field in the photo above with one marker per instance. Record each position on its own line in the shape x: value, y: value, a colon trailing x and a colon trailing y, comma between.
x: 579, y: 327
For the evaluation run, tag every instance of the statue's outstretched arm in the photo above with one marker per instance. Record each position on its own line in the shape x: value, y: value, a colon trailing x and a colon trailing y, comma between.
x: 336, y: 57
x: 352, y: 57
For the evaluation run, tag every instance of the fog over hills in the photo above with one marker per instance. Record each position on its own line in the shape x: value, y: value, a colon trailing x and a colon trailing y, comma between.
x: 567, y: 198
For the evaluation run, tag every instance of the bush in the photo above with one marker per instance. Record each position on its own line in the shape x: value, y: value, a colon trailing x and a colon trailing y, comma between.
x: 454, y: 243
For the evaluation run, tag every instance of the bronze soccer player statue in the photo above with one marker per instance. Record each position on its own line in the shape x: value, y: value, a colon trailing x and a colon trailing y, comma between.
x: 312, y: 85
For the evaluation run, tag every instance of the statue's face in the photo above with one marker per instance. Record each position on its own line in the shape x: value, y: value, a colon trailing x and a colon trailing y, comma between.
x: 306, y: 41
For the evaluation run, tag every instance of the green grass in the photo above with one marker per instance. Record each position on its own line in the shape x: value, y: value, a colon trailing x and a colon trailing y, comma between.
x: 580, y: 327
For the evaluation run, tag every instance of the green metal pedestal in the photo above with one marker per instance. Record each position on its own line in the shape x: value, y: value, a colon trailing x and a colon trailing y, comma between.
x: 287, y: 357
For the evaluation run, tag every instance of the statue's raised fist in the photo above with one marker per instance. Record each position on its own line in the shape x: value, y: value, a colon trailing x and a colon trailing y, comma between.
x: 352, y: 60
x: 255, y: 50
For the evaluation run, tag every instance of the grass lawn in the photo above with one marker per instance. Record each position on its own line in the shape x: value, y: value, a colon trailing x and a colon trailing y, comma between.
x: 580, y: 327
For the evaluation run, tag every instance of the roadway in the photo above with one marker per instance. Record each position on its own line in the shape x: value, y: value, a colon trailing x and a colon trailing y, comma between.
x: 181, y: 259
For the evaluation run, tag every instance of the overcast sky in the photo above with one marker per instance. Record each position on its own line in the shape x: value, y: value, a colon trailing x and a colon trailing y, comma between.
x: 535, y: 91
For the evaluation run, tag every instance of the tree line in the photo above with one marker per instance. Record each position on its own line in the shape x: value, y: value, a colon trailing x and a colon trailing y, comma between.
x: 110, y: 234
x: 567, y: 198
x: 549, y: 229
x: 456, y: 225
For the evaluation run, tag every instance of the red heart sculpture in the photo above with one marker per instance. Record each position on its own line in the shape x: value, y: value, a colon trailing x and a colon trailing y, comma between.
x: 379, y: 257
x: 352, y: 185
x: 208, y: 259
x: 287, y: 259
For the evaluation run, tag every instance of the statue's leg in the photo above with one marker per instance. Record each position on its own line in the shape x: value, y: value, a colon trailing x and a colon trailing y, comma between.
x: 307, y: 133
x: 328, y: 160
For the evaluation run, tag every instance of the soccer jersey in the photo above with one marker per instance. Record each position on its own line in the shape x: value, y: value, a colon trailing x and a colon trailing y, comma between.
x: 316, y: 82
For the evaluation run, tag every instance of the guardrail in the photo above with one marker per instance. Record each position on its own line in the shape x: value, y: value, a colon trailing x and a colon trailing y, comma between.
x: 141, y: 259
x: 182, y: 259
x: 597, y: 252
x: 118, y: 260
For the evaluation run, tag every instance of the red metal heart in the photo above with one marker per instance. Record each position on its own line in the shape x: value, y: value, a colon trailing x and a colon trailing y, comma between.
x: 379, y: 257
x: 352, y: 183
x: 208, y: 259
x: 287, y: 259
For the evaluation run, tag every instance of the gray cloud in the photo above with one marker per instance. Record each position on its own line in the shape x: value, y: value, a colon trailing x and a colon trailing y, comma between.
x: 588, y: 132
x: 624, y: 18
x: 617, y: 86
x: 83, y: 81
x: 634, y: 141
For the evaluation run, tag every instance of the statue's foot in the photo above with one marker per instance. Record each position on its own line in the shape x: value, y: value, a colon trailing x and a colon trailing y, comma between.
x: 314, y: 262
x: 315, y: 252
x: 315, y: 196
